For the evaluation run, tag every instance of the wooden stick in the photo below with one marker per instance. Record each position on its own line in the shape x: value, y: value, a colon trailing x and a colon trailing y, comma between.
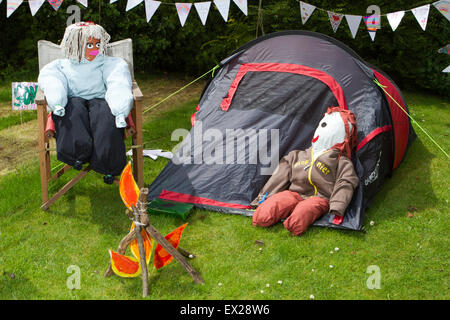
x: 166, y: 244
x: 126, y: 241
x: 60, y: 172
x: 66, y: 188
x: 174, y: 253
x: 123, y: 245
x: 185, y: 253
x: 141, y: 209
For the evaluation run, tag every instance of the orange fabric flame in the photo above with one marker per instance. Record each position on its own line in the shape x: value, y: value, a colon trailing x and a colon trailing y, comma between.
x: 124, y: 266
x: 129, y: 267
x: 128, y: 188
x: 162, y: 257
x: 148, y: 245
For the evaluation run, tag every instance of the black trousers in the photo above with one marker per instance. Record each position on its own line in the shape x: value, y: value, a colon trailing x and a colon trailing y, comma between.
x: 88, y: 133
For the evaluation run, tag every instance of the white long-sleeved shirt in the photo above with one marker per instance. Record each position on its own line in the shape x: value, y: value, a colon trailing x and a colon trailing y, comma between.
x: 104, y: 77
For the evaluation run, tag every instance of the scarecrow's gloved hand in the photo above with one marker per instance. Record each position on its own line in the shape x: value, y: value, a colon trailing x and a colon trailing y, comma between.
x: 263, y: 197
x: 337, y: 219
x: 120, y: 121
x: 59, y: 110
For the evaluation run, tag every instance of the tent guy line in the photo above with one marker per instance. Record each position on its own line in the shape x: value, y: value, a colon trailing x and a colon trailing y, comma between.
x: 415, y: 122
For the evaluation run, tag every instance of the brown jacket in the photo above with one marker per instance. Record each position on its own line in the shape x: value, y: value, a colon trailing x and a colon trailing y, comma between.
x: 326, y: 177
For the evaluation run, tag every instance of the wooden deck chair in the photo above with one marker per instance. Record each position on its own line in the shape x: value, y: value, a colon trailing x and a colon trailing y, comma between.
x: 47, y: 52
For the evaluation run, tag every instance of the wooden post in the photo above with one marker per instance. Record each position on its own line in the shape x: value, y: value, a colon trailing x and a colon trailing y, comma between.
x: 136, y: 114
x: 138, y: 212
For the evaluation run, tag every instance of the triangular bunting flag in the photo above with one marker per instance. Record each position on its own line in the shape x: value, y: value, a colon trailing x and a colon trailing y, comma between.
x: 421, y: 14
x: 183, y: 11
x: 335, y: 19
x: 306, y: 11
x: 150, y: 8
x: 372, y: 22
x: 446, y: 69
x: 445, y: 49
x: 203, y: 10
x: 11, y: 6
x: 55, y: 4
x: 394, y: 19
x: 353, y: 23
x: 83, y: 2
x: 112, y: 1
x: 242, y: 4
x: 223, y: 6
x: 443, y: 7
x: 372, y: 34
x: 35, y: 5
x: 132, y: 3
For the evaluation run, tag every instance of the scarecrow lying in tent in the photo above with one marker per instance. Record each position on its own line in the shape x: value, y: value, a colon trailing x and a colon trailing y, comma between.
x: 90, y: 96
x: 309, y: 183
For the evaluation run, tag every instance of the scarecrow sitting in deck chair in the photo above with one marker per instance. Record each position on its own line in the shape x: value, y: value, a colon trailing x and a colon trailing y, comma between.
x: 309, y: 183
x: 90, y: 97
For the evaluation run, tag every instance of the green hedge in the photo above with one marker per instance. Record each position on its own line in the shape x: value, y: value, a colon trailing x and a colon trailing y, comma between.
x: 409, y: 55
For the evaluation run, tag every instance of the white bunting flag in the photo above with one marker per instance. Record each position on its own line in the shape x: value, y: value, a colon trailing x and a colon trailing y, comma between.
x: 335, y: 19
x: 35, y: 5
x: 203, y: 10
x: 443, y: 7
x: 112, y: 1
x: 353, y: 23
x: 83, y: 2
x: 11, y: 6
x: 394, y: 19
x: 183, y: 11
x: 306, y: 11
x: 242, y: 4
x: 150, y: 8
x: 446, y: 69
x: 132, y: 3
x: 421, y: 14
x: 372, y: 34
x: 223, y: 6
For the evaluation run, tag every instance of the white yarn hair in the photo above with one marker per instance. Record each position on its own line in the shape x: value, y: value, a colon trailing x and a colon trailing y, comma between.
x: 76, y: 35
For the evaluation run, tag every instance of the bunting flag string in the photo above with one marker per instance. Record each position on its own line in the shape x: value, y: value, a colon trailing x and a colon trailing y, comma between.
x: 223, y: 6
x: 183, y: 9
x: 372, y: 22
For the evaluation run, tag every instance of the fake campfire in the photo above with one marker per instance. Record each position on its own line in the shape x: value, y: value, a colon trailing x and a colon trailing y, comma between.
x: 140, y: 239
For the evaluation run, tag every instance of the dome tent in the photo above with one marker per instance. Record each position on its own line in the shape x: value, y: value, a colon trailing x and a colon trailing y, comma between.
x: 266, y: 100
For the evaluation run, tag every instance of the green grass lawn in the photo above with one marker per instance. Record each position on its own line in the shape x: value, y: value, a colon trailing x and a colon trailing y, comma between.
x: 38, y: 248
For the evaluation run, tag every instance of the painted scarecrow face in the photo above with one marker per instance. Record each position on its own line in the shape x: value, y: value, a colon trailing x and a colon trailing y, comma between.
x: 92, y: 48
x: 331, y: 131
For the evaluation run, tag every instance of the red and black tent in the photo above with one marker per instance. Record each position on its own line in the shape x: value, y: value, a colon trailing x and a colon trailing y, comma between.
x: 265, y: 100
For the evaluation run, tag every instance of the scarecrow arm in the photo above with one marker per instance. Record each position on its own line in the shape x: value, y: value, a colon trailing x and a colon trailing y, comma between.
x: 279, y: 181
x: 54, y: 84
x: 118, y: 94
x: 346, y: 182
